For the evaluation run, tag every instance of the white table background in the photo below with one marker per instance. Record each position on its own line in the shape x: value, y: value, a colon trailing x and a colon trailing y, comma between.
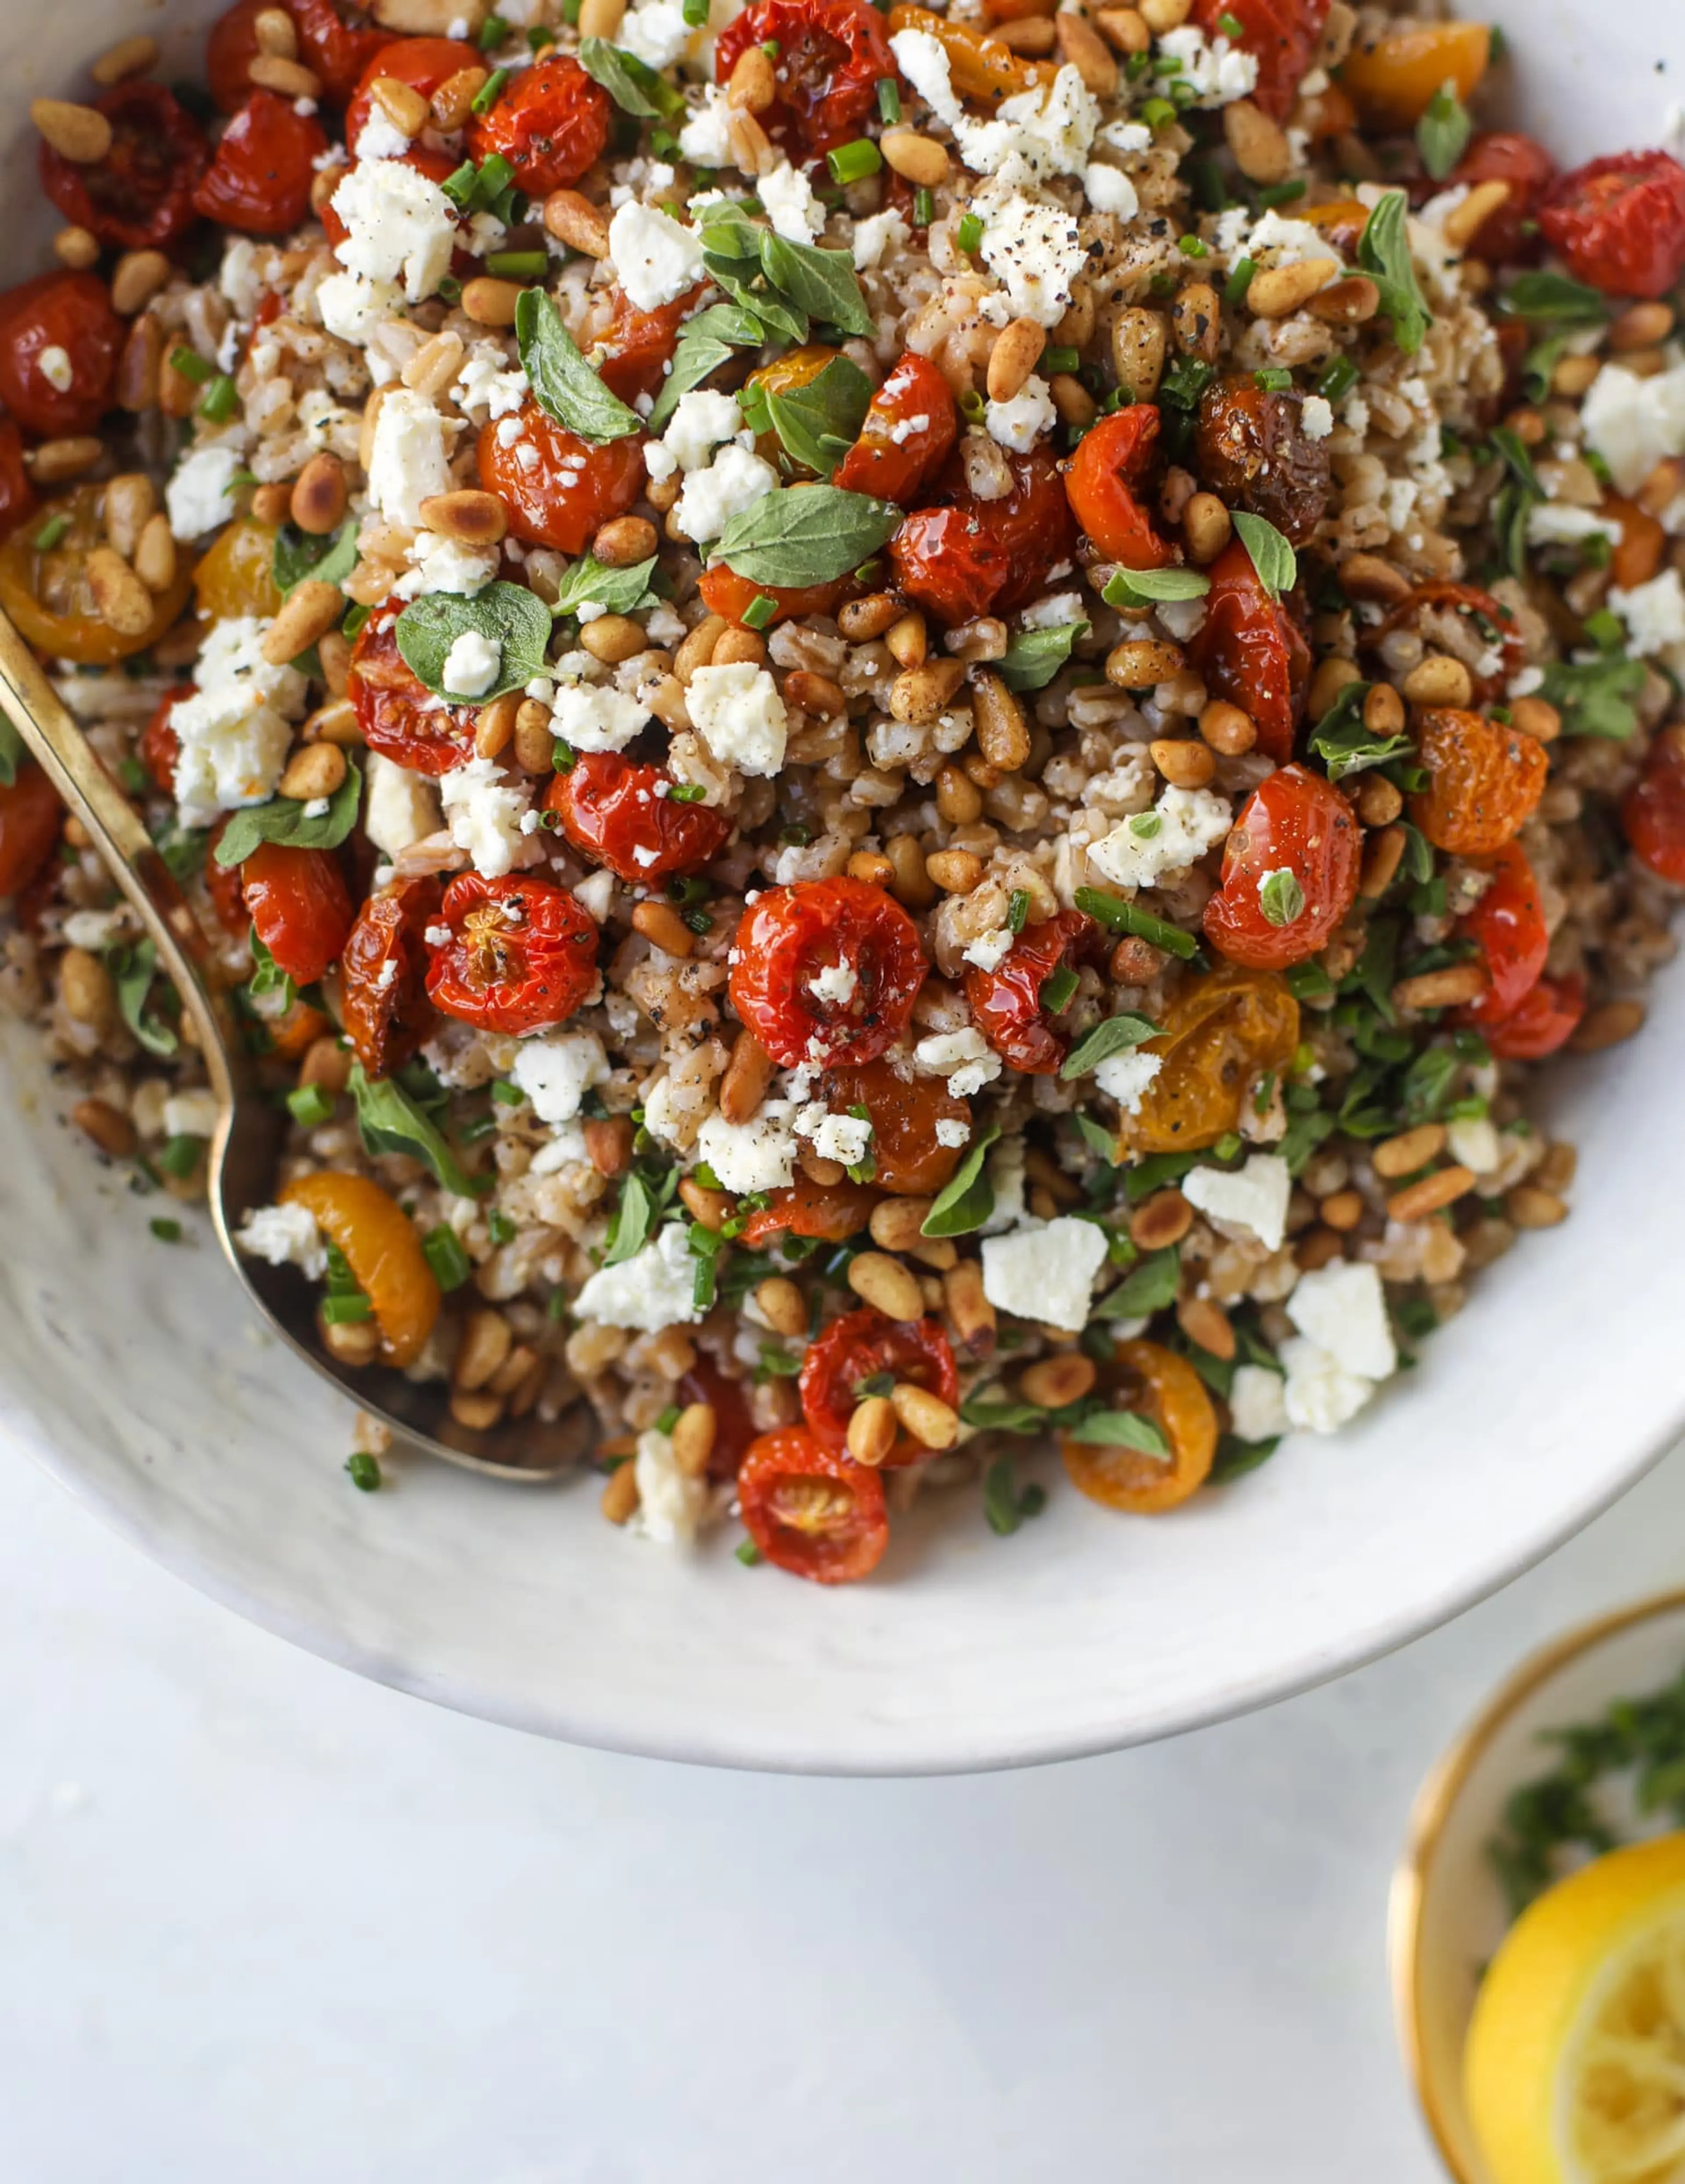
x: 261, y: 1922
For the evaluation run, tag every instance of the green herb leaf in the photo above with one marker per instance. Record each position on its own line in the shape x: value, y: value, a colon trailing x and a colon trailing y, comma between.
x: 1280, y: 896
x: 1596, y: 697
x: 1553, y: 299
x: 810, y: 534
x: 1343, y: 742
x: 1123, y: 1429
x: 297, y: 554
x: 967, y: 1200
x: 591, y: 583
x: 515, y: 619
x: 283, y: 819
x: 634, y: 1218
x: 1236, y: 1456
x: 818, y: 424
x: 997, y: 1417
x: 1274, y: 560
x: 1138, y: 587
x: 563, y: 385
x: 1442, y: 135
x: 1120, y: 916
x: 1383, y: 251
x: 391, y: 1122
x: 632, y: 84
x: 821, y: 283
x: 1004, y: 1504
x: 1146, y: 1288
x: 1114, y: 1036
x: 133, y: 971
x: 1034, y: 656
x: 697, y: 355
x: 1513, y: 450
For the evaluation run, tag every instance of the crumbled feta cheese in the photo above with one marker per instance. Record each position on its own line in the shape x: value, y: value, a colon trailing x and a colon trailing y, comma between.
x: 652, y: 1289
x: 657, y: 257
x: 1287, y: 241
x: 1220, y: 73
x: 438, y: 564
x: 484, y: 807
x: 1108, y: 189
x: 233, y: 730
x: 1191, y: 821
x: 1005, y: 1169
x: 380, y: 138
x: 787, y: 199
x: 656, y: 32
x: 1182, y: 618
x: 1057, y: 611
x: 191, y: 1114
x: 351, y: 306
x: 1560, y: 523
x: 989, y: 950
x: 93, y: 929
x: 1319, y: 1396
x: 595, y: 718
x: 759, y: 1155
x: 702, y: 421
x: 875, y: 236
x: 200, y: 495
x: 1019, y: 423
x: 53, y: 365
x: 1473, y: 1143
x: 238, y: 280
x: 1317, y: 418
x: 488, y: 386
x: 399, y: 225
x: 1045, y: 1271
x: 1343, y: 1307
x: 1653, y: 613
x: 287, y: 1236
x: 1126, y: 1076
x: 1635, y: 423
x: 836, y: 983
x: 408, y: 462
x: 671, y: 1504
x: 1253, y: 1199
x: 731, y: 485
x: 843, y: 1138
x: 1258, y: 1408
x: 472, y: 665
x: 705, y: 139
x: 399, y: 807
x: 1033, y: 248
x: 964, y: 1058
x: 557, y: 1069
x: 951, y: 1131
x: 739, y: 715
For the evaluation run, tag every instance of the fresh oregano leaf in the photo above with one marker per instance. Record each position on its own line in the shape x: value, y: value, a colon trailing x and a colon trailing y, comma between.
x: 391, y: 1122
x: 1552, y: 299
x: 634, y: 1218
x: 1595, y: 697
x: 1138, y: 587
x: 1272, y: 557
x: 1123, y: 1429
x: 967, y: 1200
x: 821, y: 283
x: 1442, y: 135
x: 696, y: 356
x: 133, y: 971
x: 563, y: 383
x: 818, y: 424
x: 514, y: 618
x: 1146, y: 1288
x: 808, y: 534
x: 1341, y: 740
x: 632, y: 84
x: 1383, y: 251
x: 1280, y: 896
x: 297, y: 554
x: 1114, y: 1036
x: 591, y: 583
x: 1034, y: 656
x: 1005, y: 1504
x: 284, y: 819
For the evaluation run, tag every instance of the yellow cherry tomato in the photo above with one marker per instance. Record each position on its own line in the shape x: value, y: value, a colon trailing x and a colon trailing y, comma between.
x: 1164, y: 1388
x: 979, y: 66
x: 379, y: 1240
x: 46, y: 593
x: 1394, y: 74
x: 236, y: 575
x: 1221, y: 1033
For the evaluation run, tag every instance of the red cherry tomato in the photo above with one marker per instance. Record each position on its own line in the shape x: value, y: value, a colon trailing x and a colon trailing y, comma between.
x: 424, y: 63
x: 832, y: 1212
x: 140, y: 196
x: 1295, y: 821
x: 260, y: 180
x: 1508, y: 924
x: 30, y: 816
x: 909, y: 430
x: 1006, y: 1004
x: 814, y: 1512
x: 160, y: 747
x: 724, y: 592
x: 1619, y: 223
x: 522, y: 955
x: 640, y: 344
x: 858, y: 1347
x: 332, y: 49
x: 573, y: 489
x: 831, y: 56
x: 791, y: 935
x: 973, y: 557
x: 551, y: 123
x: 1543, y: 1019
x: 230, y: 48
x: 1653, y: 811
x: 222, y: 882
x: 67, y: 311
x: 17, y: 492
x: 1250, y: 652
x: 610, y: 810
x: 909, y: 1159
x: 383, y: 975
x: 392, y: 704
x: 733, y: 1427
x: 1282, y: 34
x: 300, y: 906
x: 1484, y: 619
x: 1110, y: 467
x: 1500, y: 156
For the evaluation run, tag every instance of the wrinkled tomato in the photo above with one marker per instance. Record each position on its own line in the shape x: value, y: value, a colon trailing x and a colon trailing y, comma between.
x: 1250, y: 652
x: 160, y: 746
x: 47, y: 593
x: 17, y: 492
x: 236, y: 573
x: 1472, y: 614
x: 811, y: 1510
x: 907, y: 434
x: 260, y: 180
x: 380, y: 1241
x: 1222, y: 1032
x: 1507, y: 235
x: 299, y: 903
x: 1508, y: 925
x: 522, y: 954
x: 1254, y: 452
x: 230, y: 48
x: 140, y: 196
x: 1619, y: 223
x: 1545, y: 1018
x: 1108, y: 475
x: 1282, y: 35
x: 616, y: 811
x: 70, y: 312
x: 551, y: 123
x: 831, y: 54
x: 1164, y: 1388
x: 639, y: 345
x: 332, y: 49
x: 395, y: 708
x: 1486, y: 781
x: 724, y: 592
x: 832, y: 1211
x: 383, y: 975
x: 860, y: 1347
x: 424, y: 63
x: 1652, y: 812
x: 1006, y: 1003
x: 575, y: 487
x: 1395, y: 68
x: 971, y: 557
x: 222, y: 882
x: 31, y: 817
x: 1294, y: 822
x: 909, y: 1159
x: 733, y: 1426
x: 791, y: 937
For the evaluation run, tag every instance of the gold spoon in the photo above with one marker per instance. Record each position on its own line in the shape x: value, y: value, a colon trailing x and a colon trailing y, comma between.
x: 245, y: 1152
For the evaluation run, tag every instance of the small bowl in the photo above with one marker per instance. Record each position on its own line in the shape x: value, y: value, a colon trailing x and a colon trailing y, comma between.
x: 1448, y: 1912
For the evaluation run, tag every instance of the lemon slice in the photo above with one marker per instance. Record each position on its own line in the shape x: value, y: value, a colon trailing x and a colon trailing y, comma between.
x: 1575, y: 2068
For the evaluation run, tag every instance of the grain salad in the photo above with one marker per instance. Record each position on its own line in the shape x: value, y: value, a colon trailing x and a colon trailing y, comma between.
x: 902, y: 729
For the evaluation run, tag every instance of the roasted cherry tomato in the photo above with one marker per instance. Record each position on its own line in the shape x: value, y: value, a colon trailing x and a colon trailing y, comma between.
x: 724, y: 592
x: 1108, y: 475
x: 1545, y: 1018
x: 909, y: 1159
x: 973, y: 557
x: 140, y: 196
x: 792, y: 936
x: 17, y: 492
x: 236, y: 573
x: 639, y: 345
x: 72, y: 314
x: 551, y: 123
x: 907, y: 434
x: 47, y: 593
x: 1483, y: 619
x: 1222, y: 1032
x: 618, y: 813
x: 575, y: 487
x: 831, y: 54
x: 379, y: 1239
x: 1653, y: 813
x: 424, y: 63
x: 1508, y: 925
x: 395, y: 710
x: 522, y: 954
x: 814, y: 1512
x: 230, y: 48
x: 1006, y: 1003
x: 832, y: 1211
x: 1508, y: 235
x: 1283, y: 35
x: 1395, y: 72
x: 1295, y: 822
x: 859, y: 1346
x: 31, y: 817
x: 733, y: 1426
x: 300, y: 906
x: 1485, y: 781
x: 260, y: 180
x: 1250, y: 652
x: 160, y: 747
x: 1619, y: 223
x: 980, y: 67
x: 1164, y: 1388
x: 328, y: 45
x: 383, y: 975
x: 1254, y: 452
x: 222, y: 882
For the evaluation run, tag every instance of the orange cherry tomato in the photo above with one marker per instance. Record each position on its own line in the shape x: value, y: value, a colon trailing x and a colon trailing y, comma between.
x: 550, y: 123
x: 1109, y: 471
x: 790, y: 935
x: 522, y: 954
x: 910, y: 1161
x: 1507, y: 236
x: 140, y: 196
x: 1253, y: 452
x: 380, y: 1243
x: 1652, y: 812
x: 981, y: 67
x: 1508, y: 925
x: 620, y: 814
x: 47, y: 595
x: 297, y: 1031
x: 1543, y: 1020
x: 1166, y: 1388
x: 859, y: 1347
x: 31, y: 820
x: 424, y: 63
x: 1222, y: 1032
x: 1341, y: 219
x: 383, y: 975
x: 1393, y: 74
x: 909, y: 432
x: 971, y: 557
x: 1294, y: 822
x: 812, y: 1511
x: 1283, y: 35
x: 17, y: 489
x: 639, y: 345
x: 300, y: 906
x: 832, y: 55
x: 260, y: 180
x: 394, y: 707
x: 724, y: 592
x: 1251, y: 653
x: 1482, y: 618
x: 230, y: 48
x: 67, y: 311
x: 1485, y: 785
x: 574, y: 488
x: 1006, y: 1003
x: 832, y: 1212
x: 1619, y: 223
x: 796, y: 368
x: 236, y: 574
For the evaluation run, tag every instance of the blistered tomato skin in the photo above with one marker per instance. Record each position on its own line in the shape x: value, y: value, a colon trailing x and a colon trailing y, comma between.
x: 30, y: 816
x: 379, y: 1239
x: 300, y: 906
x: 1653, y: 811
x: 395, y: 708
x: 1106, y: 483
x: 724, y: 592
x: 640, y: 344
x: 971, y: 557
x: 1282, y: 35
x: 17, y: 492
x: 813, y: 1512
x: 1295, y: 821
x: 1619, y: 223
x: 831, y: 56
x: 1543, y: 1020
x: 230, y: 48
x: 859, y: 1346
x: 522, y: 955
x: 570, y: 491
x: 793, y: 936
x: 1006, y: 1003
x: 909, y: 1159
x: 898, y: 469
x: 1254, y: 454
x: 1507, y: 924
x: 551, y: 123
x: 160, y: 747
x: 618, y: 813
x: 140, y: 196
x: 424, y: 63
x: 1223, y: 1031
x: 832, y: 1211
x: 1506, y: 237
x: 260, y: 180
x: 1251, y: 652
x: 332, y: 49
x: 1486, y: 781
x: 383, y: 975
x: 1166, y: 1389
x: 68, y: 311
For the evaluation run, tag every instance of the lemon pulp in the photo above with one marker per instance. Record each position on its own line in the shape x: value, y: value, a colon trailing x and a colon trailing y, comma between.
x: 1625, y: 2089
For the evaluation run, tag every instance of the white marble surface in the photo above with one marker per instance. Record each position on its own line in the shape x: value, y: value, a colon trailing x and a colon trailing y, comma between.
x: 261, y: 1922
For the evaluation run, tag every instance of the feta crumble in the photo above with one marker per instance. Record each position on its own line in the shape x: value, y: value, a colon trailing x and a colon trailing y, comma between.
x: 652, y: 1289
x: 1045, y: 1271
x: 739, y: 715
x: 759, y: 1155
x: 1253, y: 1199
x: 557, y: 1069
x: 657, y: 257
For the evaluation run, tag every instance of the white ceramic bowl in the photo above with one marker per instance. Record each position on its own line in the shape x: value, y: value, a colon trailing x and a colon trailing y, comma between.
x: 134, y: 1371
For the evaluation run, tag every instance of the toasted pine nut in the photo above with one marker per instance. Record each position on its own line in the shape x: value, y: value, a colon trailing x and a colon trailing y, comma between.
x: 1378, y: 803
x: 53, y: 461
x: 908, y: 639
x: 1441, y: 679
x: 326, y: 1063
x: 955, y: 872
x: 1027, y: 34
x: 272, y: 503
x: 86, y: 989
x: 1196, y: 320
x: 1071, y: 399
x: 575, y: 221
x: 697, y: 651
x: 1352, y: 302
x: 748, y: 1074
x: 130, y: 499
x: 81, y: 134
x: 1002, y: 732
x: 1607, y: 1026
x: 1382, y: 854
x: 1164, y: 1218
x: 661, y: 925
x: 693, y: 1432
x: 139, y: 365
x: 1162, y: 15
x: 490, y: 302
x: 1126, y: 28
x: 601, y: 18
x: 923, y: 693
x: 1535, y: 717
x: 624, y: 542
x: 885, y: 1284
x: 818, y: 1169
x: 932, y: 1422
x: 911, y: 885
x: 77, y: 247
x: 1463, y: 222
x: 1383, y: 711
x: 896, y: 1223
x: 1229, y: 731
x: 308, y: 611
x: 1057, y: 1381
x: 1184, y: 763
x: 917, y: 158
x: 1367, y: 577
x: 782, y: 1305
x: 1640, y: 325
x: 868, y: 866
x: 479, y: 518
x: 608, y: 1141
x: 314, y: 769
x: 136, y: 279
x: 1573, y: 376
x: 1441, y: 1189
x: 535, y: 736
x: 754, y: 87
x: 1333, y: 675
x: 121, y: 601
x: 1206, y: 526
x: 108, y: 1126
x: 288, y: 79
x: 486, y: 1340
x: 1413, y: 1149
x: 1441, y: 989
x: 1528, y: 1206
x: 1140, y: 662
x: 275, y: 33
x: 1280, y: 290
x: 336, y: 722
x: 1259, y: 145
x: 613, y: 638
x: 1318, y: 1247
x: 317, y: 501
x: 958, y: 800
x: 735, y: 647
x: 1016, y: 351
x: 620, y: 1493
x: 1139, y: 340
x: 1206, y: 1323
x: 452, y: 103
x: 872, y: 1430
x: 712, y: 1208
x: 128, y: 56
x: 1342, y: 1210
x: 972, y: 1315
x: 862, y: 620
x: 814, y: 694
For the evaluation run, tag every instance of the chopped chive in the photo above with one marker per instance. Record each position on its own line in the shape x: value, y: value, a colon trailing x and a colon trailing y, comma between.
x: 490, y: 91
x: 669, y: 1418
x: 888, y: 98
x: 1156, y: 112
x: 134, y: 776
x: 759, y: 611
x: 695, y: 13
x: 51, y: 533
x: 973, y: 406
x: 167, y: 1232
x: 1231, y: 25
x: 1274, y: 379
x: 365, y: 1471
x: 970, y: 232
x: 493, y: 32
x: 519, y: 264
x: 501, y: 1227
x: 924, y: 208
x: 686, y: 792
x: 220, y: 400
x: 541, y: 35
x: 191, y: 365
x: 1281, y: 193
x: 309, y: 1105
x: 442, y: 1248
x: 1337, y: 378
x: 563, y: 756
x: 450, y: 288
x: 1059, y: 991
x: 180, y: 1156
x: 506, y: 1094
x: 1239, y: 280
x: 1017, y: 909
x: 853, y: 163
x: 1190, y: 246
x: 771, y: 48
x: 1056, y: 360
x: 346, y: 1311
x: 746, y: 1550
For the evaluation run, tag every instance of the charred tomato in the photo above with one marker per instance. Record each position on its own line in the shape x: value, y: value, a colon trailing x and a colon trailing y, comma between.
x: 852, y: 936
x: 521, y: 956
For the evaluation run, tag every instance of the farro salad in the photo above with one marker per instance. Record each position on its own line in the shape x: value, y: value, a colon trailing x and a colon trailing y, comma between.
x: 902, y: 728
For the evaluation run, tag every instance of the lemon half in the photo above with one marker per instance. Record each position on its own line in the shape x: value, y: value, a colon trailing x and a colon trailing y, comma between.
x: 1574, y: 2072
